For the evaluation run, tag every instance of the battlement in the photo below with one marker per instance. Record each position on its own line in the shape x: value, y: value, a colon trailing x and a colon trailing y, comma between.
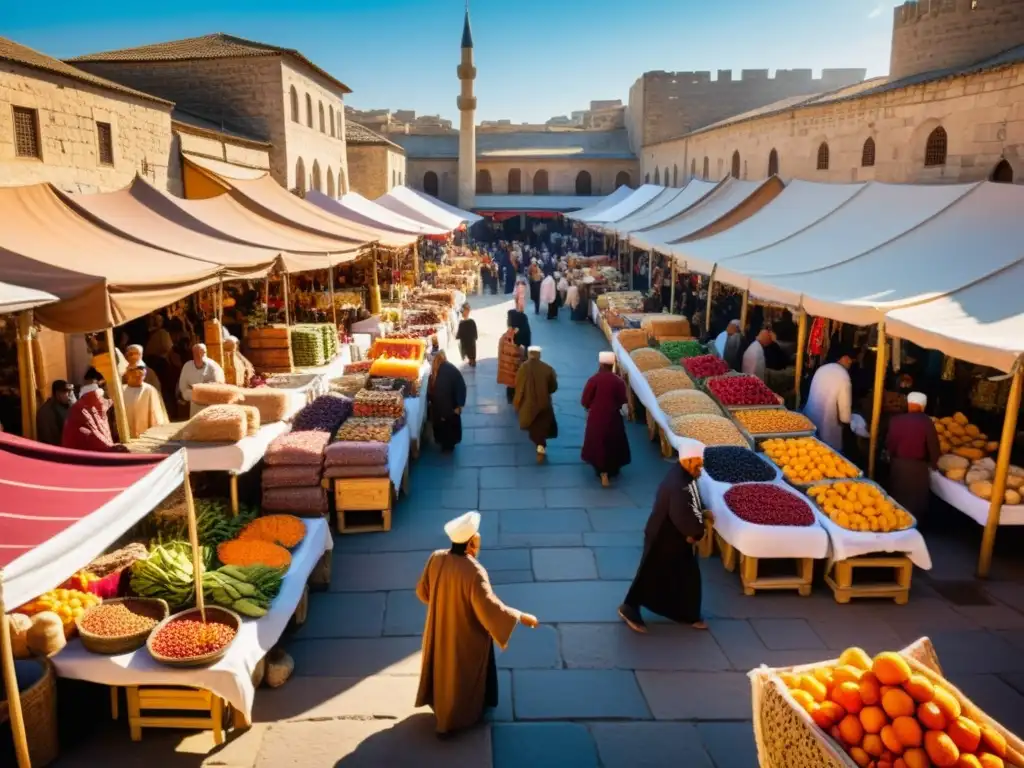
x: 747, y: 76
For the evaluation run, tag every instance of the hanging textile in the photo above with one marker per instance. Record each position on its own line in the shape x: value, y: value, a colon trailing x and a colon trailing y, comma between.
x: 817, y: 337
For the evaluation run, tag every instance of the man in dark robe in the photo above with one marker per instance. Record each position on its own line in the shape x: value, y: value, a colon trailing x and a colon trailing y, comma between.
x: 517, y: 319
x: 467, y: 336
x: 53, y: 413
x: 535, y: 384
x: 536, y: 276
x: 913, y: 446
x: 447, y: 393
x: 605, y: 445
x: 458, y: 674
x: 668, y: 579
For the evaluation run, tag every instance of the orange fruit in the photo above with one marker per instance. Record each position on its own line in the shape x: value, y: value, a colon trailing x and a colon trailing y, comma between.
x: 873, y: 745
x: 883, y: 764
x: 821, y: 718
x: 847, y: 695
x: 835, y: 734
x: 855, y: 657
x: 988, y: 760
x: 814, y: 687
x: 791, y: 680
x: 891, y: 740
x: 870, y: 691
x: 947, y: 704
x: 965, y: 733
x: 833, y: 710
x: 920, y: 688
x: 860, y: 757
x: 846, y: 674
x: 873, y: 719
x: 884, y: 689
x: 851, y: 730
x: 931, y: 716
x: 900, y: 763
x: 824, y: 676
x: 993, y: 741
x: 898, y: 703
x: 916, y: 758
x: 968, y: 761
x: 891, y: 668
x: 941, y: 750
x: 803, y: 698
x: 908, y: 731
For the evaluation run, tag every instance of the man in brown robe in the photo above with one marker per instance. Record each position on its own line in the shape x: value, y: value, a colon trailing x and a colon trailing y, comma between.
x: 913, y: 446
x: 536, y: 382
x: 458, y: 676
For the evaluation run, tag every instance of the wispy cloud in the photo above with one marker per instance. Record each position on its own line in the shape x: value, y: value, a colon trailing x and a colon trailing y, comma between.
x: 876, y: 11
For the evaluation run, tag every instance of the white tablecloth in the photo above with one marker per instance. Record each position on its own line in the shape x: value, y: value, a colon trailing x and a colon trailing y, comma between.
x: 371, y: 325
x: 233, y: 458
x: 595, y: 313
x: 416, y: 407
x: 398, y: 456
x: 231, y: 677
x: 847, y: 544
x: 956, y: 494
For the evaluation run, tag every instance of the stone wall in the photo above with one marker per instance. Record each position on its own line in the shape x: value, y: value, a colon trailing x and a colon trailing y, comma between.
x: 68, y: 111
x: 936, y: 34
x: 447, y: 171
x: 375, y: 169
x: 311, y: 145
x: 981, y: 115
x: 222, y: 148
x: 561, y: 174
x: 664, y: 105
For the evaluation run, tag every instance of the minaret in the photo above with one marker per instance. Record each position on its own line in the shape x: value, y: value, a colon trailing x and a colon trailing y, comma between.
x: 467, y: 119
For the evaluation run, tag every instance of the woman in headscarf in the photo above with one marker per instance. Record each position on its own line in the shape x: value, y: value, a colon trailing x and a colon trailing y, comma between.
x: 447, y: 392
x: 605, y: 445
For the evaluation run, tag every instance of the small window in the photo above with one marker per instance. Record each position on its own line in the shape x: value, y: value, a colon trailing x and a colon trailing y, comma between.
x: 430, y: 183
x: 623, y: 179
x: 483, y: 182
x: 707, y: 167
x: 1003, y: 173
x: 323, y: 124
x: 331, y: 111
x: 540, y: 183
x: 515, y: 182
x: 867, y: 155
x: 773, y: 163
x: 26, y: 132
x: 294, y: 97
x: 693, y: 168
x: 675, y: 175
x: 735, y: 164
x: 823, y: 157
x: 647, y: 178
x: 935, y: 149
x: 309, y: 111
x: 584, y: 183
x: 657, y: 176
x: 105, y: 141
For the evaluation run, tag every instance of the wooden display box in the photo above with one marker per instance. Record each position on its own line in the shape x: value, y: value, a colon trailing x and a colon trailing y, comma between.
x: 270, y: 349
x: 801, y: 581
x: 363, y: 494
x: 840, y: 578
x: 214, y: 340
x: 172, y: 701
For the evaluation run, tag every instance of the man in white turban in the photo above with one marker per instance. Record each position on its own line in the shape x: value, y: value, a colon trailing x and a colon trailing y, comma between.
x: 142, y: 401
x: 728, y: 342
x: 913, y: 446
x: 458, y: 674
x: 605, y: 444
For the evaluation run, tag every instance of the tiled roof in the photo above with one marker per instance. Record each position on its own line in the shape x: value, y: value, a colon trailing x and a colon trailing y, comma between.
x: 206, y: 125
x: 872, y: 87
x: 26, y: 57
x: 356, y: 133
x: 613, y: 145
x: 215, y: 46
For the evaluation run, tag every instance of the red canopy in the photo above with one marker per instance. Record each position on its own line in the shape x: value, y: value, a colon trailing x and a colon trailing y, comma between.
x: 60, y: 508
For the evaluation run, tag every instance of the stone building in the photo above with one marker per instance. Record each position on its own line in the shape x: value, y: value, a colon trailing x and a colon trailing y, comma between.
x: 375, y: 164
x: 271, y: 94
x: 78, y: 131
x: 951, y: 111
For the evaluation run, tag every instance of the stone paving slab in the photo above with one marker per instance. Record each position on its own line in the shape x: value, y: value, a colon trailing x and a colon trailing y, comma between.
x: 696, y: 695
x: 744, y: 648
x: 998, y: 698
x: 543, y: 745
x: 975, y: 652
x: 322, y: 698
x: 567, y: 601
x: 503, y: 712
x: 787, y: 635
x: 731, y: 745
x: 511, y: 577
x: 649, y: 745
x: 378, y: 572
x: 343, y: 614
x: 577, y: 694
x: 520, y: 498
x: 616, y: 646
x: 617, y: 562
x: 555, y: 564
x: 487, y: 456
x: 404, y: 614
x: 356, y: 657
x: 534, y: 520
x: 531, y: 649
x: 618, y: 520
x: 505, y: 559
x: 590, y: 498
x: 453, y: 478
x: 612, y: 540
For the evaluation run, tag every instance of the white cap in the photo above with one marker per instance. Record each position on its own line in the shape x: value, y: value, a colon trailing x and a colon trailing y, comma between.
x: 534, y: 350
x: 606, y: 358
x: 735, y: 322
x: 691, y: 450
x: 463, y: 528
x: 87, y: 388
x: 917, y: 398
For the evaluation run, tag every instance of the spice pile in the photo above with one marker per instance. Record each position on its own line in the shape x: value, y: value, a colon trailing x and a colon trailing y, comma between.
x: 772, y: 421
x: 680, y: 402
x: 728, y: 464
x: 647, y: 359
x: 376, y: 404
x: 188, y: 638
x: 680, y: 350
x: 707, y: 429
x: 765, y: 504
x: 116, y: 620
x: 704, y: 366
x: 741, y: 391
x: 365, y: 430
x: 664, y: 380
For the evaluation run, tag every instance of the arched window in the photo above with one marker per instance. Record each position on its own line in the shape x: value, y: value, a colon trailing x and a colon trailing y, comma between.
x: 867, y: 154
x: 341, y: 182
x: 736, y: 164
x: 647, y: 178
x: 823, y: 156
x: 693, y: 168
x: 515, y: 182
x: 316, y: 176
x: 540, y: 183
x: 707, y: 167
x: 293, y: 97
x: 330, y: 182
x: 675, y: 175
x: 300, y: 177
x: 394, y: 179
x: 935, y: 149
x: 623, y: 179
x: 331, y: 112
x: 341, y: 126
x: 773, y: 163
x: 584, y: 183
x: 483, y: 182
x: 657, y: 175
x: 1003, y: 173
x: 323, y: 124
x: 430, y: 183
x: 309, y: 110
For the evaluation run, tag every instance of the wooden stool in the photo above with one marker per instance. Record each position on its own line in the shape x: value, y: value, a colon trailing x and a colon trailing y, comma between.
x: 801, y: 582
x: 706, y: 545
x: 667, y: 451
x: 363, y: 494
x: 840, y: 578
x: 143, y: 699
x: 728, y: 553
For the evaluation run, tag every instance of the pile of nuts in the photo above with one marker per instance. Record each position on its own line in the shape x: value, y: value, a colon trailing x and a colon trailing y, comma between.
x: 665, y: 380
x: 647, y: 359
x: 710, y: 430
x: 768, y: 421
x: 366, y: 430
x: 371, y: 403
x: 766, y: 504
x: 116, y: 620
x: 681, y: 402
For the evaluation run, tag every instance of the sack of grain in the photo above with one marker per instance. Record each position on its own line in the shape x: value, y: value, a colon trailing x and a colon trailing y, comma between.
x: 303, y: 448
x: 272, y: 403
x: 366, y: 454
x: 325, y: 414
x: 345, y: 471
x: 216, y: 424
x: 252, y: 419
x: 216, y: 394
x: 285, y: 476
x: 310, y: 501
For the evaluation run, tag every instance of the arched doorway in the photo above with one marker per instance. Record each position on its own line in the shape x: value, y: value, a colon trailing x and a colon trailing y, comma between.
x: 540, y: 183
x: 316, y: 176
x: 1003, y: 172
x: 430, y: 183
x: 583, y: 183
x: 330, y: 181
x: 623, y: 179
x: 773, y: 163
x: 736, y: 164
x: 707, y: 167
x: 675, y: 175
x: 300, y: 177
x: 936, y: 148
x: 515, y: 182
x: 483, y: 182
x: 657, y: 175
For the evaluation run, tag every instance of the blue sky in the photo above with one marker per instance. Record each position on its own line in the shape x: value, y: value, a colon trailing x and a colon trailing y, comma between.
x: 535, y: 58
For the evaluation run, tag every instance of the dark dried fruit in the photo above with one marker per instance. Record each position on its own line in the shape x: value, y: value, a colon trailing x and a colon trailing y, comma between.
x: 728, y: 464
x: 764, y: 504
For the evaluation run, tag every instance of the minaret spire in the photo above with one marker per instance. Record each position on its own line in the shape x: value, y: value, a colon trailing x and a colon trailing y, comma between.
x: 467, y: 31
x: 467, y: 119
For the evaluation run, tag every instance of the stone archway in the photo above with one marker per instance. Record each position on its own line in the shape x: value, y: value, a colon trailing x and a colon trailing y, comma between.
x: 584, y: 183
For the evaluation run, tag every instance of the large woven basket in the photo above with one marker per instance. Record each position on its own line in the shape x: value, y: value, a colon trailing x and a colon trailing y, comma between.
x: 152, y: 607
x: 786, y: 736
x: 39, y: 712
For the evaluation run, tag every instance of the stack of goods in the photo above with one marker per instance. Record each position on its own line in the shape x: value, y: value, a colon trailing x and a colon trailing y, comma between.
x: 222, y: 424
x: 396, y: 369
x: 740, y: 391
x: 414, y: 332
x: 772, y: 421
x: 446, y: 298
x: 683, y: 402
x: 360, y: 366
x: 308, y: 346
x: 804, y: 460
x: 958, y: 436
x: 349, y: 384
x: 662, y: 380
x: 325, y: 414
x: 768, y: 504
x: 621, y: 302
x: 860, y: 505
x: 378, y: 404
x: 399, y: 349
x: 269, y: 349
x: 647, y: 359
x: 632, y: 338
x: 356, y: 459
x: 705, y: 366
x: 728, y: 464
x: 681, y: 350
x: 882, y: 712
x: 708, y: 429
x: 406, y: 387
x: 271, y: 403
x: 426, y: 315
x: 217, y: 394
x: 291, y: 480
x: 978, y: 476
x: 366, y: 430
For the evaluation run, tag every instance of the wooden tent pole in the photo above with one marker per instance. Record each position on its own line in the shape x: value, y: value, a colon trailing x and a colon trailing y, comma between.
x: 711, y: 293
x: 881, y: 363
x: 27, y: 375
x: 672, y: 287
x: 11, y: 685
x: 995, y: 507
x: 286, y: 292
x: 630, y: 267
x: 193, y: 537
x: 416, y: 263
x: 801, y: 345
x: 744, y: 308
x: 374, y: 284
x: 334, y: 307
x: 117, y: 391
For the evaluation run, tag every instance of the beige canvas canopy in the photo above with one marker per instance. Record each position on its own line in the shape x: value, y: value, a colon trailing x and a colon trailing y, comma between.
x: 14, y: 298
x: 654, y: 216
x: 621, y: 193
x: 101, y: 279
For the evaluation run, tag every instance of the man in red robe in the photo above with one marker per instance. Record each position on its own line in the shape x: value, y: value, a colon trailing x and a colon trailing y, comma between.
x: 605, y: 445
x: 913, y: 446
x: 87, y: 427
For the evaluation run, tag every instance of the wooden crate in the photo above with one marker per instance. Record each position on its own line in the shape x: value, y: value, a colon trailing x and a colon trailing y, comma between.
x: 363, y: 494
x: 270, y: 349
x: 840, y: 578
x: 214, y: 340
x: 801, y: 581
x: 143, y: 700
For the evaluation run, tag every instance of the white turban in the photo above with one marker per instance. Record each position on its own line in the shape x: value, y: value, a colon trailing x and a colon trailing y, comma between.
x: 606, y: 358
x: 463, y: 528
x: 534, y: 350
x: 691, y: 449
x: 87, y: 388
x: 918, y: 398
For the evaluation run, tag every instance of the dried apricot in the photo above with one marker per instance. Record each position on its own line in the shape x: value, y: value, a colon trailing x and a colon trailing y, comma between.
x: 988, y: 760
x: 846, y: 674
x: 820, y: 717
x: 890, y: 668
x: 824, y: 676
x: 947, y: 703
x: 931, y: 716
x: 833, y: 710
x: 898, y: 703
x: 870, y: 690
x: 803, y: 698
x: 851, y: 730
x: 860, y: 757
x: 920, y: 688
x: 790, y: 680
x: 872, y: 744
x: 847, y: 695
x: 993, y: 741
x: 916, y: 758
x: 908, y: 731
x: 891, y: 740
x: 873, y: 719
x: 941, y: 750
x: 814, y: 687
x: 965, y: 733
x: 855, y: 657
x: 968, y: 761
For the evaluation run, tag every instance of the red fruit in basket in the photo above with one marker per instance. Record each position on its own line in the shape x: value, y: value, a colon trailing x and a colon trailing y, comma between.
x: 703, y: 366
x: 766, y: 504
x: 741, y: 390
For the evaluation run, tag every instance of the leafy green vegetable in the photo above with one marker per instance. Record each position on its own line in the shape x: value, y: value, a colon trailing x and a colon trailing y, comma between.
x: 679, y: 350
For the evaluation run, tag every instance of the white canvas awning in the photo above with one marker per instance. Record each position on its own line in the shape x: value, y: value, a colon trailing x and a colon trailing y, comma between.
x: 619, y: 194
x: 634, y: 202
x: 654, y: 216
x: 532, y: 202
x: 14, y: 298
x: 426, y: 209
x: 357, y: 208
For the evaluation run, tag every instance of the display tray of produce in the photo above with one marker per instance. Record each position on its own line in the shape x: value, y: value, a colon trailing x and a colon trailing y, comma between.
x: 856, y: 710
x: 677, y: 351
x: 378, y: 404
x: 120, y: 625
x: 236, y: 458
x: 681, y: 402
x: 850, y: 543
x: 958, y: 495
x: 705, y: 366
x: 729, y: 465
x: 957, y: 435
x: 766, y: 423
x: 399, y: 349
x: 187, y: 639
x: 647, y: 359
x: 708, y: 430
x: 231, y: 676
x: 662, y: 380
x: 805, y: 461
x: 735, y: 391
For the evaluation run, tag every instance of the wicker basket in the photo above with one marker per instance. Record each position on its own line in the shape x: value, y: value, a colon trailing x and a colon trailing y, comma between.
x: 152, y: 607
x: 213, y: 612
x: 39, y: 712
x: 787, y: 737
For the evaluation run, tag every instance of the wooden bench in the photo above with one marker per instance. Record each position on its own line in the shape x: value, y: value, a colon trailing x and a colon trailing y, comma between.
x: 840, y: 578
